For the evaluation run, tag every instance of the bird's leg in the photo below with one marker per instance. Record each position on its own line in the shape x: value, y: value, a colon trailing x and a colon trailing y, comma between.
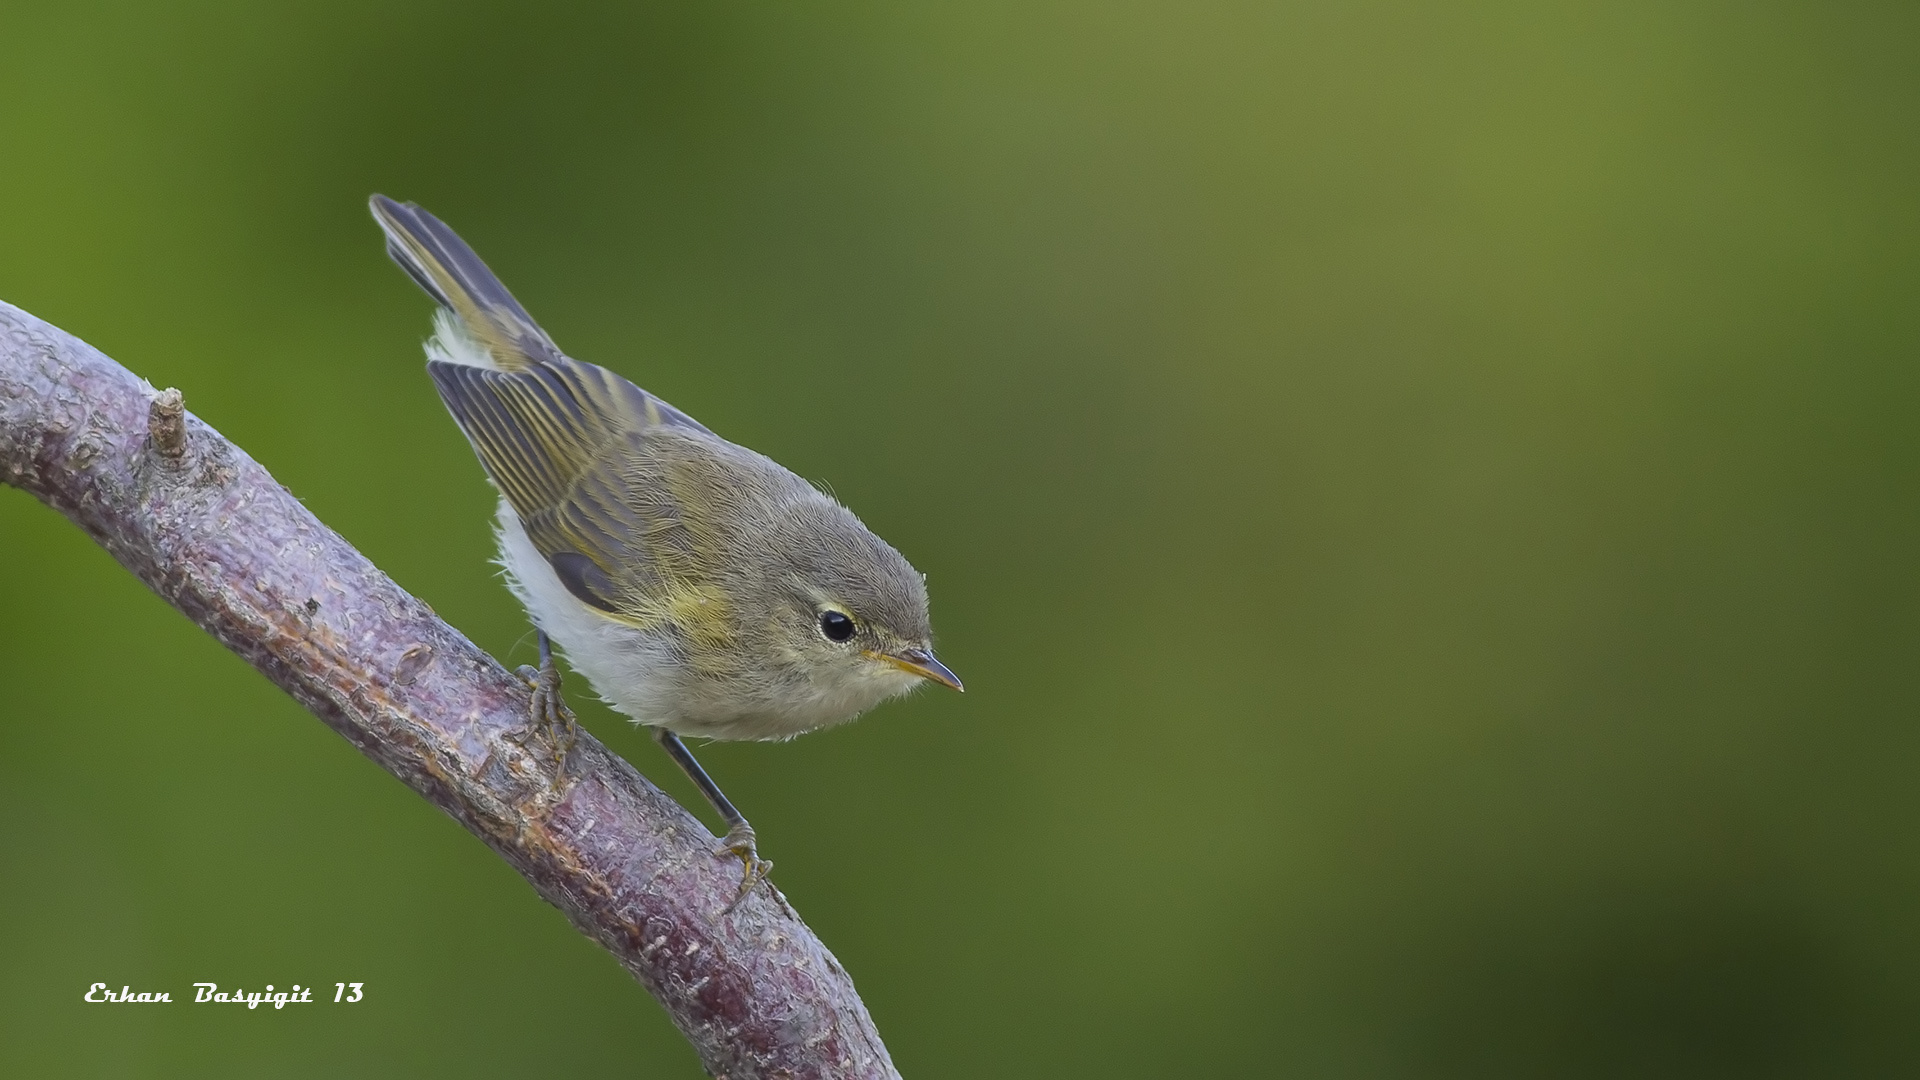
x: 739, y: 838
x: 549, y: 712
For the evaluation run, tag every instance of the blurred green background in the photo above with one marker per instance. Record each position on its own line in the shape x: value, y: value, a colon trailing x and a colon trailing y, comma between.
x: 1423, y: 498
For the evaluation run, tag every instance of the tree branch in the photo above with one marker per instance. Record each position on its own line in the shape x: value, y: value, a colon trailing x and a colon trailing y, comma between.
x: 208, y: 529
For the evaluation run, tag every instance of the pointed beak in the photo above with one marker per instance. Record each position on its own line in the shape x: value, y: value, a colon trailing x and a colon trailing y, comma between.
x: 921, y: 662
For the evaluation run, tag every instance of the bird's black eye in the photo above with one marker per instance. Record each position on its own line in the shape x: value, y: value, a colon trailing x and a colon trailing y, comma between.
x: 837, y: 625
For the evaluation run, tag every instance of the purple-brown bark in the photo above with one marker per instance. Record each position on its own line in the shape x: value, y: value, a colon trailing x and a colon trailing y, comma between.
x: 208, y: 529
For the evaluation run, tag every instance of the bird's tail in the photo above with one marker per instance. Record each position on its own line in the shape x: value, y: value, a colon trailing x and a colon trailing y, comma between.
x: 442, y: 263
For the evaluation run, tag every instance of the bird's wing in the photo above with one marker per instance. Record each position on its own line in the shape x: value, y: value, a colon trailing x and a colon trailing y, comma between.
x: 563, y: 440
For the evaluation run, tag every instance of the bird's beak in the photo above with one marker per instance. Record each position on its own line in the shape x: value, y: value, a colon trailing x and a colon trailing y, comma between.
x: 921, y: 662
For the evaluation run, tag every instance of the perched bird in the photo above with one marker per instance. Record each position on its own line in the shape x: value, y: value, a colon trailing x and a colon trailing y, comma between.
x: 701, y: 588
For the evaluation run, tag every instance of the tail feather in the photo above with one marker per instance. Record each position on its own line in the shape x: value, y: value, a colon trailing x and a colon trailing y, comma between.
x: 442, y: 264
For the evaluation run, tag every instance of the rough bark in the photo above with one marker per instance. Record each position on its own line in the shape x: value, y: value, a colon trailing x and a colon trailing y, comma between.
x: 213, y: 534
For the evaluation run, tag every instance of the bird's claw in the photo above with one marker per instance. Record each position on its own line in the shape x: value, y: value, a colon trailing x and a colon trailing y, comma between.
x: 548, y: 712
x: 739, y: 843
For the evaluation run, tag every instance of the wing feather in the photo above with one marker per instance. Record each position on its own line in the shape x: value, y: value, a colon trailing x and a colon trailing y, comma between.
x: 565, y: 442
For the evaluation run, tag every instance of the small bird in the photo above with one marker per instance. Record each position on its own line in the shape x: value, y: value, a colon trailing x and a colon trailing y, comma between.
x: 701, y: 588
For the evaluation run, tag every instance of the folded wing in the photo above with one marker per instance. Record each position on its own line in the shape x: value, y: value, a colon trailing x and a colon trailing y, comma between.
x: 562, y: 440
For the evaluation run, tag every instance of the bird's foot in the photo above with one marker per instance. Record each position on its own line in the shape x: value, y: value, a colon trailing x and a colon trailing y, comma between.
x: 549, y: 714
x: 739, y: 843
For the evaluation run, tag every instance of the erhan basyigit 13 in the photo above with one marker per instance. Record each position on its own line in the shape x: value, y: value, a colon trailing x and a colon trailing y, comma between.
x: 700, y: 587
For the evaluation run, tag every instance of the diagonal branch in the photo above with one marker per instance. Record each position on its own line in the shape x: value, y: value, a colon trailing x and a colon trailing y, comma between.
x: 207, y: 528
